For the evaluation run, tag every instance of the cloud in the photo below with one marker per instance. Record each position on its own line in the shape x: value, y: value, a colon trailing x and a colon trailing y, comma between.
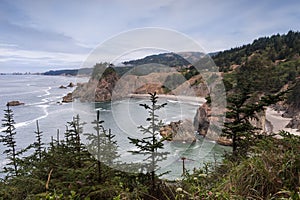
x: 30, y: 38
x: 37, y: 61
x: 73, y: 27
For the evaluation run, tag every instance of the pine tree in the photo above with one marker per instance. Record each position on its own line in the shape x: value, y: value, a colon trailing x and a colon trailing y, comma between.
x: 38, y: 145
x: 150, y: 144
x: 8, y: 139
x: 73, y: 144
x: 102, y: 146
x: 242, y: 108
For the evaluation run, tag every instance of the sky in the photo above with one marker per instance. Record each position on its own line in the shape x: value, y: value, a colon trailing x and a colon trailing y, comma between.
x: 36, y: 35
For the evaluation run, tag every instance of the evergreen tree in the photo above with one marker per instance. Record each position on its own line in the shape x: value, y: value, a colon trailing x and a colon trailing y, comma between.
x: 38, y: 145
x: 73, y: 140
x: 102, y: 146
x: 149, y: 145
x: 242, y: 108
x: 8, y: 139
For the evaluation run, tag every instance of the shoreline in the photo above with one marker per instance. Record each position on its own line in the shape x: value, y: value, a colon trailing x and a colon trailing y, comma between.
x: 278, y: 122
x: 200, y: 100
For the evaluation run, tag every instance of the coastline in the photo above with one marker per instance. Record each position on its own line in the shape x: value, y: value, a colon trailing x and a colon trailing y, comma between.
x: 278, y: 122
x: 195, y: 99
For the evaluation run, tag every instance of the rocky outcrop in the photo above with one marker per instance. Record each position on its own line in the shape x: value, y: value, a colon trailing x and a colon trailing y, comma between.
x: 202, y: 121
x: 294, y: 123
x: 182, y: 131
x: 71, y: 85
x: 65, y: 87
x: 14, y: 103
x: 68, y: 98
x: 97, y: 90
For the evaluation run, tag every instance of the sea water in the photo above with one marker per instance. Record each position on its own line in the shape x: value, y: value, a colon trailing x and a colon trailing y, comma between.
x: 42, y: 97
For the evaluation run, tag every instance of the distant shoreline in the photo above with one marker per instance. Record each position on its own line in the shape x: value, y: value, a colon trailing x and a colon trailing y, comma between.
x: 171, y: 97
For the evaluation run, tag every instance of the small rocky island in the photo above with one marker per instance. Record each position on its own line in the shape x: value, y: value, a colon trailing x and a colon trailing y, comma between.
x: 14, y: 103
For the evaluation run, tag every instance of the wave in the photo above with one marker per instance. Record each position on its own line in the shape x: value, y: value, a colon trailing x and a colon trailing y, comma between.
x: 172, y: 101
x: 26, y: 123
x: 102, y: 110
x: 46, y: 91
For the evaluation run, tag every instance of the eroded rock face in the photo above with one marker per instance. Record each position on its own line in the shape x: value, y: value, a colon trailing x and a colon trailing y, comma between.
x: 202, y: 122
x: 14, y: 103
x: 150, y: 88
x: 202, y: 119
x: 68, y: 98
x: 97, y: 90
x: 182, y: 131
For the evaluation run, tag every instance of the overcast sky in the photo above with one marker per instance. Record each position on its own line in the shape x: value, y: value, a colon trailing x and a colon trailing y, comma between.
x: 53, y: 34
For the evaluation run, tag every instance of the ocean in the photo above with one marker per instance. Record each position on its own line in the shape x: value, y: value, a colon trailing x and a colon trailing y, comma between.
x: 42, y: 97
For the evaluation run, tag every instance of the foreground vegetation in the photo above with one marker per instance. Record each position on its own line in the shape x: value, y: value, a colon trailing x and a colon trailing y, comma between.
x: 65, y: 169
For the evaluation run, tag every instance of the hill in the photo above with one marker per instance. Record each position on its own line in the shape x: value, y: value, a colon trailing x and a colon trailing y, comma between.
x: 273, y: 48
x: 168, y: 59
x: 69, y: 72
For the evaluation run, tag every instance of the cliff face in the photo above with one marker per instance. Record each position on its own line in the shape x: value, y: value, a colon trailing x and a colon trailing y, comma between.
x: 204, y: 118
x: 97, y: 90
x: 181, y: 131
x: 195, y: 86
x: 295, y: 122
x: 202, y: 121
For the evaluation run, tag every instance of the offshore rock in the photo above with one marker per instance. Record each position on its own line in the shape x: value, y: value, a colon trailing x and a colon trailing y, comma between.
x: 68, y: 98
x: 71, y: 85
x: 14, y: 103
x: 179, y: 131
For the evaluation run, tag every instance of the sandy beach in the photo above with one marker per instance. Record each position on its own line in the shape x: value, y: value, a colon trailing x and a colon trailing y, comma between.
x: 279, y: 122
x: 195, y: 99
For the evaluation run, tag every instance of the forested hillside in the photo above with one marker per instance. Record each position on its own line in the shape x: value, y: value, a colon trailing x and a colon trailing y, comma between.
x: 266, y: 66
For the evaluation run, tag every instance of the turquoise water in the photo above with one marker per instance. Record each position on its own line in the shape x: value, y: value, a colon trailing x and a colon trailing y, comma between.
x: 41, y: 96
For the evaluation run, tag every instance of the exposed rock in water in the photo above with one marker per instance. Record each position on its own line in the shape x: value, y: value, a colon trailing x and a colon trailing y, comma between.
x: 71, y: 84
x: 14, y: 103
x: 62, y: 87
x: 202, y: 119
x: 202, y: 122
x: 294, y: 123
x: 68, y: 98
x: 182, y: 131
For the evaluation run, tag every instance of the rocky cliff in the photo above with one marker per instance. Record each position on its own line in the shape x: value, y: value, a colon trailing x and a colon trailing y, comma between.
x: 202, y: 121
x: 179, y: 131
x: 295, y: 122
x: 97, y: 90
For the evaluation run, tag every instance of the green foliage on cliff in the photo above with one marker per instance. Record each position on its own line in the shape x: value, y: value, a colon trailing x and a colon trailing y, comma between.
x: 276, y: 47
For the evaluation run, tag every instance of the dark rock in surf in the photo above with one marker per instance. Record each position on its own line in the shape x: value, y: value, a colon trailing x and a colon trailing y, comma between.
x: 14, y: 103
